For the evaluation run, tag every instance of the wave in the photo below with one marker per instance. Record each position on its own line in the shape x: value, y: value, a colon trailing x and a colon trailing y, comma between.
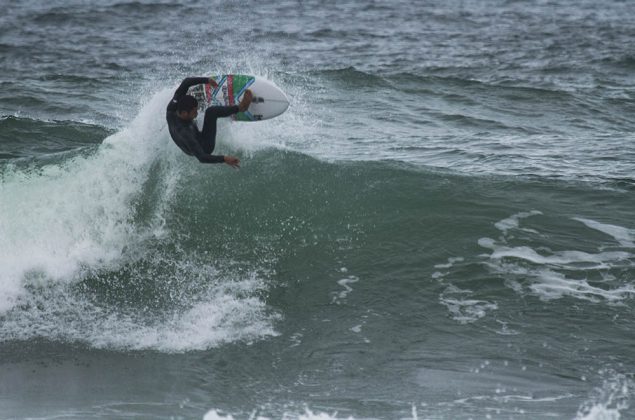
x: 352, y: 77
x: 623, y: 62
x: 137, y: 246
x: 25, y: 137
x: 403, y: 80
x: 84, y: 13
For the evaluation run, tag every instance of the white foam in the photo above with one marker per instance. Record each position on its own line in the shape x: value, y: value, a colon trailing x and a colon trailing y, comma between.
x: 64, y: 217
x: 450, y: 262
x: 357, y: 328
x: 226, y: 312
x: 566, y: 259
x: 609, y: 400
x: 550, y: 274
x: 461, y: 308
x: 512, y: 222
x: 553, y: 285
x: 214, y: 414
x: 345, y: 282
x: 624, y: 236
x: 549, y: 284
x: 545, y: 273
x: 217, y: 415
x: 600, y: 412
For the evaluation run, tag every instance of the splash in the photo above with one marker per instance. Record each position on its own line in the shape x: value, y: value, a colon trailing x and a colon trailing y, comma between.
x: 87, y: 255
x: 57, y: 220
x: 307, y: 415
x: 609, y: 401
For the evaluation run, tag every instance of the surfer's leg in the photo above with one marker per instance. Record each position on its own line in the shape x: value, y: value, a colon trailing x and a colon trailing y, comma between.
x: 208, y: 135
x: 209, y: 124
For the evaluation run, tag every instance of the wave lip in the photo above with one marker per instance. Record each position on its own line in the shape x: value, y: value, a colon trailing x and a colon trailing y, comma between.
x: 61, y: 218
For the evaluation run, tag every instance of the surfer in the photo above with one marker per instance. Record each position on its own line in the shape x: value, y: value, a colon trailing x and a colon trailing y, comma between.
x: 181, y: 112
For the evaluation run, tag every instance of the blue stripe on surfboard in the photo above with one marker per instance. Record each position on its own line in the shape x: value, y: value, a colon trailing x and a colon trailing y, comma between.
x: 249, y: 83
x: 218, y: 86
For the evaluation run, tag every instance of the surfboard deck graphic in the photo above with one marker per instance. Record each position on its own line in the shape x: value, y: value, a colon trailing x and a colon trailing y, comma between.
x: 269, y: 101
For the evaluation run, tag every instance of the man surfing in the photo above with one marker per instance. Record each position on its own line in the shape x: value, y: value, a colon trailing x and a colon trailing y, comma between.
x: 181, y: 112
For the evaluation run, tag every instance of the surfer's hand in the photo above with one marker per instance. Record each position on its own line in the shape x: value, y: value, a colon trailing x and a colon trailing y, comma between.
x: 246, y: 101
x: 213, y: 82
x: 232, y: 161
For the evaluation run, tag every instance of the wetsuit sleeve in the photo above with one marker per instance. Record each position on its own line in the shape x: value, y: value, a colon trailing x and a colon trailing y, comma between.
x: 191, y: 144
x: 205, y: 158
x: 221, y: 111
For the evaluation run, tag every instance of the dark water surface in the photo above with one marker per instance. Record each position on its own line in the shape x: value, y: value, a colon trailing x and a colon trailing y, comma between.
x: 441, y: 226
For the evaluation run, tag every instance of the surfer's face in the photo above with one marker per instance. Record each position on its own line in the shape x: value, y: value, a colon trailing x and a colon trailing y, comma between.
x: 189, y: 116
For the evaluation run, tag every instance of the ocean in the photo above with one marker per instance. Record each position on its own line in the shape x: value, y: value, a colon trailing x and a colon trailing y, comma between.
x: 441, y: 226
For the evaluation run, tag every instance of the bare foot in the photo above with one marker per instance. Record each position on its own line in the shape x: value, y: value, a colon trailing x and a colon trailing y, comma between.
x: 246, y: 101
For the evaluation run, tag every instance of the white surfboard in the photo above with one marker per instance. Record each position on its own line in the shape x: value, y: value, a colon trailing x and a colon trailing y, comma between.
x: 269, y: 101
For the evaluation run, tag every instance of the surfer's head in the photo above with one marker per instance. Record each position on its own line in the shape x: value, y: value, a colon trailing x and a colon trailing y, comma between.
x: 187, y: 107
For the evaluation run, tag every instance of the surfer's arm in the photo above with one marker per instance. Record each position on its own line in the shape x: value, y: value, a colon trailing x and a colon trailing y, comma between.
x: 187, y: 141
x: 211, y: 158
x: 205, y: 158
x: 200, y: 154
x: 222, y: 111
x: 226, y: 111
x: 188, y: 83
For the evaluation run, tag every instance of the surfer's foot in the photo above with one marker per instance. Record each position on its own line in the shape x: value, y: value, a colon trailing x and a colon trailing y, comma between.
x: 246, y: 101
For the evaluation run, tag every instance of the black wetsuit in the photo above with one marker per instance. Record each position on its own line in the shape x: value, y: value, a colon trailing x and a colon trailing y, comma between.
x: 185, y: 133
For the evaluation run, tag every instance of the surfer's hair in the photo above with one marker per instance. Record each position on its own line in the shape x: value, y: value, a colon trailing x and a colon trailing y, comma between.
x: 186, y: 103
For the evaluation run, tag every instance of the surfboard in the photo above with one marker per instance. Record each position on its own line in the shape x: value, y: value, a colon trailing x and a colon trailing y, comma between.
x: 269, y: 100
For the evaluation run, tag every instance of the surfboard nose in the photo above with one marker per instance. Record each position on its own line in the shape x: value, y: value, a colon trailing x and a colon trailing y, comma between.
x: 268, y: 101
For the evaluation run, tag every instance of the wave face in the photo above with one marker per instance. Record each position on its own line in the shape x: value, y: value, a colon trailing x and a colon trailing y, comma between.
x: 440, y: 226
